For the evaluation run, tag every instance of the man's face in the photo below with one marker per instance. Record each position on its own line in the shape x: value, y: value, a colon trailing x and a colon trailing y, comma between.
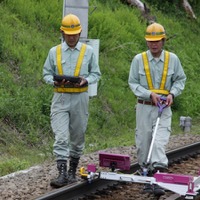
x: 71, y: 40
x: 155, y: 47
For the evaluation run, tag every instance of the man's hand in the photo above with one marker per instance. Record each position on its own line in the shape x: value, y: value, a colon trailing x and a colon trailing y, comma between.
x: 156, y: 98
x: 83, y: 82
x: 169, y: 99
x: 64, y: 82
x: 59, y: 83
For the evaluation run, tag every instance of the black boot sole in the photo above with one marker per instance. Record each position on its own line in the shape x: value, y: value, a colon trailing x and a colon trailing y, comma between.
x: 56, y: 185
x: 159, y: 192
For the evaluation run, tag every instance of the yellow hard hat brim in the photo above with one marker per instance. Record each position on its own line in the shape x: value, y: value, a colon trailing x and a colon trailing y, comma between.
x: 72, y: 32
x: 153, y: 39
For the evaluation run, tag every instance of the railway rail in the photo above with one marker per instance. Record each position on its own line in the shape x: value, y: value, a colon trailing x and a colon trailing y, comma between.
x: 84, y: 189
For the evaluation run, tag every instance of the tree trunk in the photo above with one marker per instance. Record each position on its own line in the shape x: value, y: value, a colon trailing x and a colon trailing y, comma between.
x: 188, y: 9
x: 137, y: 3
x: 145, y: 11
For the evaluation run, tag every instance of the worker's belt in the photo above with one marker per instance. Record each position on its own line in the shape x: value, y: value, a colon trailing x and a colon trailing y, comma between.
x: 146, y: 102
x: 71, y: 90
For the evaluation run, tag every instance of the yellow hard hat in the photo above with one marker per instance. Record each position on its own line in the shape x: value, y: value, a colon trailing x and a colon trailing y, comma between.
x: 71, y: 25
x: 155, y: 32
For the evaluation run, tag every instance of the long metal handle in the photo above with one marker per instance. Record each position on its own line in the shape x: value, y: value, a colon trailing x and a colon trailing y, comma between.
x: 161, y: 105
x: 153, y: 139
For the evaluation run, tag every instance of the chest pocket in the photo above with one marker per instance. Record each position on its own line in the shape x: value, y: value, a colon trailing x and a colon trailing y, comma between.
x: 143, y: 78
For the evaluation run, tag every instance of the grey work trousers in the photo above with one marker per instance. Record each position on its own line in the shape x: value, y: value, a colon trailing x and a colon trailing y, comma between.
x: 146, y: 117
x: 69, y: 118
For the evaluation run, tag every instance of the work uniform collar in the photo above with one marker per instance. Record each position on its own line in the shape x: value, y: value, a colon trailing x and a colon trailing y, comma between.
x: 66, y: 47
x: 150, y: 56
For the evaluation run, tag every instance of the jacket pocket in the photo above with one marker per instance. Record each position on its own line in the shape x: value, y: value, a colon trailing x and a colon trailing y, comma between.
x: 143, y: 79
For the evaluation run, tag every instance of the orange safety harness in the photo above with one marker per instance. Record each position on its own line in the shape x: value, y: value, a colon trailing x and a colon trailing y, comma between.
x: 62, y: 88
x: 162, y: 89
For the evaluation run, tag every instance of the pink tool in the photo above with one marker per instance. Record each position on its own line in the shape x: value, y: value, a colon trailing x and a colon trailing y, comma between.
x: 114, y: 161
x: 183, y: 185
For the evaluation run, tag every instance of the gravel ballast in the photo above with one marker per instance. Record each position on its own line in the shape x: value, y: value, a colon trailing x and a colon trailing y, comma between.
x: 34, y: 182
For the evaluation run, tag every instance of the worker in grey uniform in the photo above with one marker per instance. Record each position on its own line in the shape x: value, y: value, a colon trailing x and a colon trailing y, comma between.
x: 153, y: 74
x: 69, y: 108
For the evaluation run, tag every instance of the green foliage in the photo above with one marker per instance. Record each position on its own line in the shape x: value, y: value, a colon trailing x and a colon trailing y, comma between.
x: 45, y: 16
x: 11, y: 165
x: 29, y: 28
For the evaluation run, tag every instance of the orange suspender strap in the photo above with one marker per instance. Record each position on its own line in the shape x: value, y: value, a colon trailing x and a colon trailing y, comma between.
x: 164, y: 75
x: 80, y: 60
x: 58, y: 59
x: 147, y: 70
x: 165, y: 70
x: 76, y: 73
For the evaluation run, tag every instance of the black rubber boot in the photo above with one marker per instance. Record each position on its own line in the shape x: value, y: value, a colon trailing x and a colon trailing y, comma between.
x: 61, y: 180
x: 157, y: 190
x: 148, y: 188
x: 73, y: 164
